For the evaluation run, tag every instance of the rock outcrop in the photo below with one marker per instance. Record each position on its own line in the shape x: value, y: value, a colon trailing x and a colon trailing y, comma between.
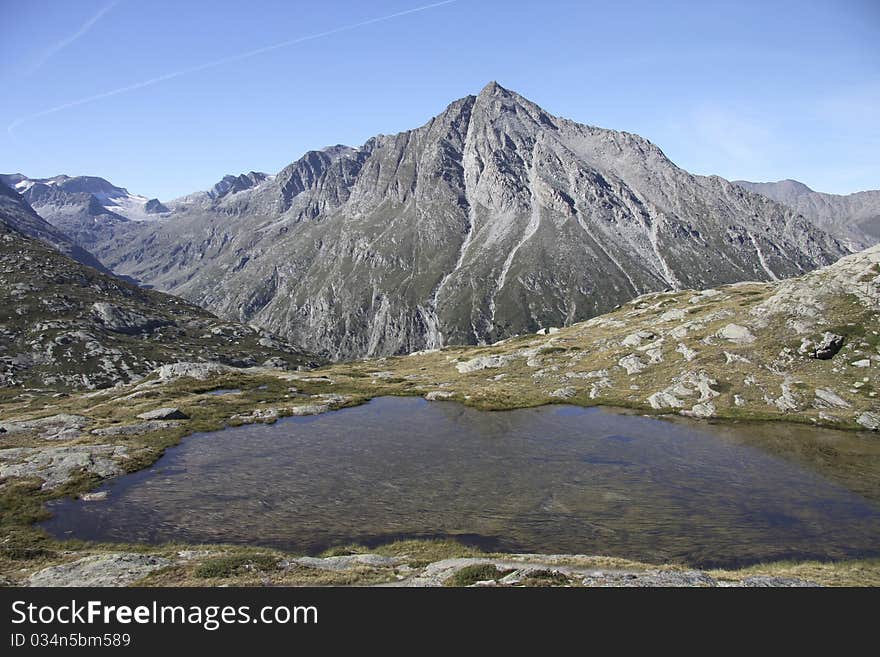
x: 114, y: 569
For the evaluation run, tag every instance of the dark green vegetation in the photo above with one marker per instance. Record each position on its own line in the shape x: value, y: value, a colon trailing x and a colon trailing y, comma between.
x: 227, y: 566
x: 470, y: 575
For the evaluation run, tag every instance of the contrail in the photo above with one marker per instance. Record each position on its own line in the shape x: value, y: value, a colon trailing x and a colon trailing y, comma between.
x: 51, y: 52
x: 219, y: 62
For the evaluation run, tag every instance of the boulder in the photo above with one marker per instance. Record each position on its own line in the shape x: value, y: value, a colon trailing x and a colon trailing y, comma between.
x: 482, y: 363
x: 199, y: 371
x: 663, y: 399
x: 635, y: 339
x: 564, y: 393
x: 774, y: 581
x: 869, y: 420
x: 166, y: 413
x: 348, y: 562
x: 704, y: 410
x: 826, y: 398
x: 439, y: 395
x: 632, y: 364
x: 736, y: 334
x: 826, y: 348
x: 122, y: 320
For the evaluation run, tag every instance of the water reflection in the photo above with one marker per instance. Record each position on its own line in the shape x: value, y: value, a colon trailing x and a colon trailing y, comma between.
x: 551, y: 479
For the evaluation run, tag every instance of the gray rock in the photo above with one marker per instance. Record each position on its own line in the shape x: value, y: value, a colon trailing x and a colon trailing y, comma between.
x: 134, y: 429
x: 826, y: 398
x: 632, y: 364
x: 200, y: 371
x: 124, y: 320
x: 482, y: 363
x: 348, y: 562
x: 167, y: 413
x: 439, y: 395
x: 769, y: 580
x: 788, y: 401
x: 704, y: 410
x: 869, y: 420
x: 56, y: 465
x: 663, y: 399
x: 651, y: 578
x: 61, y: 426
x: 736, y: 334
x: 116, y: 569
x: 564, y: 393
x: 635, y: 339
x: 827, y: 346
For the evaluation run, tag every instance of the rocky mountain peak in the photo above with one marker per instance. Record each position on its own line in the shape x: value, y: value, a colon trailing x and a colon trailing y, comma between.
x: 231, y: 184
x: 98, y: 187
x: 493, y: 218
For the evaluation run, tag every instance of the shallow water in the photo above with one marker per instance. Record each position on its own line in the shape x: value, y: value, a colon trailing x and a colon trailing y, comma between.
x: 550, y: 479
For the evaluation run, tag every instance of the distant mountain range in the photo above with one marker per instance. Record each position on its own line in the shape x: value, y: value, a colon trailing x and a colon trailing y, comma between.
x: 494, y: 218
x: 67, y: 325
x: 18, y: 215
x: 854, y: 218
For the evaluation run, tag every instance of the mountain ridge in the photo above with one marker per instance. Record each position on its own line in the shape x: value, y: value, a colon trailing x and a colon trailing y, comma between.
x: 855, y: 217
x: 16, y: 213
x: 491, y: 219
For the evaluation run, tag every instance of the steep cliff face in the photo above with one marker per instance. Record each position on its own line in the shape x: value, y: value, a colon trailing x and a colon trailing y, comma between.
x: 494, y: 218
x: 853, y: 218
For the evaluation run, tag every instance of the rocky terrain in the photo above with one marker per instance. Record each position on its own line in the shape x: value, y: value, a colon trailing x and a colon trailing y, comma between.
x: 18, y: 215
x: 67, y: 326
x: 493, y: 219
x: 206, y: 566
x: 498, y: 257
x: 805, y: 349
x: 854, y: 218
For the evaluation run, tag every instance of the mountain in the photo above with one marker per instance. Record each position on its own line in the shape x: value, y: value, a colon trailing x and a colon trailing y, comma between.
x: 495, y: 218
x: 86, y: 208
x: 64, y: 325
x: 229, y: 185
x: 854, y: 218
x: 234, y: 184
x: 19, y: 216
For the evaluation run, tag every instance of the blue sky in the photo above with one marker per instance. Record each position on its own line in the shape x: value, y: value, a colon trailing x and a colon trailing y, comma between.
x: 756, y: 90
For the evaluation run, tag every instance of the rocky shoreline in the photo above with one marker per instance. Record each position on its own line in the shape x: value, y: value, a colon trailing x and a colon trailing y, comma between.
x: 127, y: 569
